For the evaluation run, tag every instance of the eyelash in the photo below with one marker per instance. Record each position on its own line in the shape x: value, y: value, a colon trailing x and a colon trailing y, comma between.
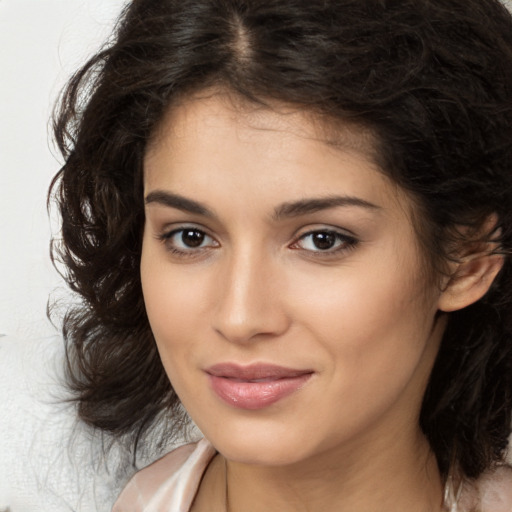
x: 345, y: 242
x: 166, y: 239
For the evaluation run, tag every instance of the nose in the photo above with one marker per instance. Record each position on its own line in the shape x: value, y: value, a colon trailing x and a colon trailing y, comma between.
x: 250, y: 299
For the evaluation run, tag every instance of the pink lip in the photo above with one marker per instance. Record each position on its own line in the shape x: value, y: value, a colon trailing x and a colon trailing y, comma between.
x: 255, y: 386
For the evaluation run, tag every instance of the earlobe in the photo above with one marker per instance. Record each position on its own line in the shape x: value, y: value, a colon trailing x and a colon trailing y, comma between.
x: 470, y: 281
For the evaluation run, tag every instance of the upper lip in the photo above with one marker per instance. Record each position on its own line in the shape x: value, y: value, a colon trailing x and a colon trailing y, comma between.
x: 254, y: 371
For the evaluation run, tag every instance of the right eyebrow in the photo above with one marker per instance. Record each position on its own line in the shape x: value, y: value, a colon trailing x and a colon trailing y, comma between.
x: 179, y: 202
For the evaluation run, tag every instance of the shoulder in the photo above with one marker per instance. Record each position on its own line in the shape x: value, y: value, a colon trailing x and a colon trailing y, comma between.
x: 170, y: 483
x: 492, y: 492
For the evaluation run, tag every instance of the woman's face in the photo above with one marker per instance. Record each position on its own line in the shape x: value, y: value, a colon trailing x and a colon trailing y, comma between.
x: 284, y: 284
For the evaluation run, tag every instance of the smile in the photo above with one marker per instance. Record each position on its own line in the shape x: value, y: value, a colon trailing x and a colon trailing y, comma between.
x: 256, y: 386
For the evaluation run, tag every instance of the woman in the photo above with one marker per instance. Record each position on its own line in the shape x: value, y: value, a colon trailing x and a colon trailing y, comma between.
x: 294, y: 219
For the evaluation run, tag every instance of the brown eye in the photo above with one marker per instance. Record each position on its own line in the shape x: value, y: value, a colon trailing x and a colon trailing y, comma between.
x: 192, y: 237
x: 187, y: 240
x: 325, y: 241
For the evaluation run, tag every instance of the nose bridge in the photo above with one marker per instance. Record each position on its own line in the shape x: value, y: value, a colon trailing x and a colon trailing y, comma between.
x: 248, y: 303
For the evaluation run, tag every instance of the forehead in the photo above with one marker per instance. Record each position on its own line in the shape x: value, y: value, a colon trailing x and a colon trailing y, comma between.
x: 279, y: 147
x: 203, y: 108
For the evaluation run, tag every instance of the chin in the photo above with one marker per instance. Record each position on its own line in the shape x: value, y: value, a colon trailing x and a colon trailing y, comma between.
x: 261, y: 454
x: 261, y: 445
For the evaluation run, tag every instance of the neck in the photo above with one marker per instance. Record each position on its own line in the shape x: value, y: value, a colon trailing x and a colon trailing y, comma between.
x: 391, y: 479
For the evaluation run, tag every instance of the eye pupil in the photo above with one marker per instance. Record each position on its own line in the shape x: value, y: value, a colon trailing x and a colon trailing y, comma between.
x: 324, y: 240
x: 192, y: 237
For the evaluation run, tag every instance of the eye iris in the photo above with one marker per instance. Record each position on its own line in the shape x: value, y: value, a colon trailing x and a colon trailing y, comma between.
x: 192, y: 238
x: 324, y: 240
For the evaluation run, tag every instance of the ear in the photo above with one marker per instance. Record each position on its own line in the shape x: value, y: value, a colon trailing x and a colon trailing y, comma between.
x: 470, y: 280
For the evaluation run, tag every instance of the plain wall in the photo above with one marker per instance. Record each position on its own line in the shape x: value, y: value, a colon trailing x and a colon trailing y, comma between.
x: 41, y: 43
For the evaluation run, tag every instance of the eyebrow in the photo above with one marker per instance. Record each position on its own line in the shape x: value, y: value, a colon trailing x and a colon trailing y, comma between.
x: 285, y: 210
x: 179, y: 202
x: 312, y: 205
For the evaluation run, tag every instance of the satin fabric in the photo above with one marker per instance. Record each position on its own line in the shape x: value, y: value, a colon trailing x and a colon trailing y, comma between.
x: 170, y: 485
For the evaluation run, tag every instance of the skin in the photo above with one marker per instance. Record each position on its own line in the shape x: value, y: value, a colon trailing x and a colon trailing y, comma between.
x: 360, y: 315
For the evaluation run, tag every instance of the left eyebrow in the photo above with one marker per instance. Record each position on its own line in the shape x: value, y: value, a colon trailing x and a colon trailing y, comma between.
x: 312, y: 205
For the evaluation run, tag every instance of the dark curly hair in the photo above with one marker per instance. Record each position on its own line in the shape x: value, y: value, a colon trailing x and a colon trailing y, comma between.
x: 430, y: 79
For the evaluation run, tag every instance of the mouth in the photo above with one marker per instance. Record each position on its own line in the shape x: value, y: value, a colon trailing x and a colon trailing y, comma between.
x: 255, y: 386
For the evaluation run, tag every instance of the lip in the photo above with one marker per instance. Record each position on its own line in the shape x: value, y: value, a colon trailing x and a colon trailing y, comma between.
x: 255, y: 386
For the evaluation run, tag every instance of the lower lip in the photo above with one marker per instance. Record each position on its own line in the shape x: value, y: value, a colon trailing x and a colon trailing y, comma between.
x: 256, y: 395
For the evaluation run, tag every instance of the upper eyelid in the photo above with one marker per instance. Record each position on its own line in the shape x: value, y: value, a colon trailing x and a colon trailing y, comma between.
x: 324, y: 228
x: 169, y: 229
x: 335, y: 232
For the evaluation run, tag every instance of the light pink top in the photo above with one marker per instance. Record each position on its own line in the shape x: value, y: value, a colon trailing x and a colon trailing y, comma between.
x: 170, y: 485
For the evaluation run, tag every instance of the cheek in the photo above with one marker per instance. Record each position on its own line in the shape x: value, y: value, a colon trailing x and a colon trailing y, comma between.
x: 172, y: 301
x: 373, y: 325
x: 362, y: 306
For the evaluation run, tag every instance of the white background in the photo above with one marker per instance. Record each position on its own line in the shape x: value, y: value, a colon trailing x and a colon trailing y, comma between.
x: 47, y: 462
x: 41, y: 43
